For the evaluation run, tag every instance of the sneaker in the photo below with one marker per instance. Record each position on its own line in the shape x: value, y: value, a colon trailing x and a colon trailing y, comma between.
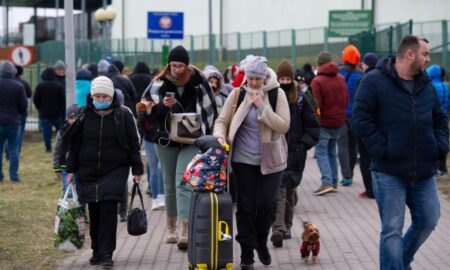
x: 335, y: 188
x: 155, y: 204
x: 277, y: 238
x: 323, y: 190
x: 264, y: 255
x: 287, y: 233
x: 362, y: 194
x: 162, y: 202
x: 346, y: 182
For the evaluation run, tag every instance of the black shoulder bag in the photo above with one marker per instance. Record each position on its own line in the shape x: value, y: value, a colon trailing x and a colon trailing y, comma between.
x: 137, y: 219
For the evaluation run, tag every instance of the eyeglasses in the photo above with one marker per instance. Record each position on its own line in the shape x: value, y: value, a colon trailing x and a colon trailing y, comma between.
x: 177, y: 67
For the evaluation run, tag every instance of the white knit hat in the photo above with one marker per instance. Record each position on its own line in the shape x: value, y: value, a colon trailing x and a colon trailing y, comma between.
x: 102, y: 85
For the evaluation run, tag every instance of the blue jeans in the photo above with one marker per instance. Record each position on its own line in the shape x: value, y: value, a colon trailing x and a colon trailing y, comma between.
x: 154, y: 173
x: 10, y: 135
x: 23, y: 121
x: 393, y: 194
x: 47, y: 125
x: 326, y: 155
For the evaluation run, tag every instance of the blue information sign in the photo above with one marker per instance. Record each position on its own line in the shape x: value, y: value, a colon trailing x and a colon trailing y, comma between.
x: 165, y: 25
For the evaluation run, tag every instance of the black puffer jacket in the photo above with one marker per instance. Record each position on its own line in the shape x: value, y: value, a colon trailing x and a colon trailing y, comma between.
x: 102, y: 151
x: 124, y: 84
x: 302, y: 135
x: 405, y: 133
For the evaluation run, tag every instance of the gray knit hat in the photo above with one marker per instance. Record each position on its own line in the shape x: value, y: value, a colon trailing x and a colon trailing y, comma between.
x: 255, y: 66
x: 102, y: 85
x: 102, y: 66
x: 60, y: 65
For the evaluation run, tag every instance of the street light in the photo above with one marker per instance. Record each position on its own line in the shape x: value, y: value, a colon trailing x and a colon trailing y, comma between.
x: 105, y: 18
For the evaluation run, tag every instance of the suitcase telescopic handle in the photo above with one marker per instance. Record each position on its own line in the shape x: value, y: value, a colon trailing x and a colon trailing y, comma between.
x: 224, y: 236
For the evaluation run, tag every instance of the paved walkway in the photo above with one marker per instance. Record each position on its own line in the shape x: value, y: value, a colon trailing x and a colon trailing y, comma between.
x: 349, y: 228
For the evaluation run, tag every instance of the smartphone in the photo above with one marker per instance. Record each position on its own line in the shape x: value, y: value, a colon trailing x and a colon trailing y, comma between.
x: 170, y: 94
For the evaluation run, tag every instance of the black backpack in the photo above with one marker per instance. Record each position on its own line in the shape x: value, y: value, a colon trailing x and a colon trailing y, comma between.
x: 273, y: 96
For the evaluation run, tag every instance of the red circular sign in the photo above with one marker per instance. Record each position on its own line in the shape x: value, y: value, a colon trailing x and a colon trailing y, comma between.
x: 21, y: 56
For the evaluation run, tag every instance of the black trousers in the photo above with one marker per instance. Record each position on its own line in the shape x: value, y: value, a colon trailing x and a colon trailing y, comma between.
x: 103, y: 227
x: 364, y: 165
x: 256, y: 204
x: 123, y: 204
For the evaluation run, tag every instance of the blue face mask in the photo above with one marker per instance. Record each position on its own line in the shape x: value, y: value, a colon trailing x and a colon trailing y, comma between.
x: 101, y: 105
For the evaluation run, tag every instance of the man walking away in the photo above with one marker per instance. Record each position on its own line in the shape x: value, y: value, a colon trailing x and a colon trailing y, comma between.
x: 347, y: 141
x: 332, y: 95
x: 400, y: 120
x: 13, y: 104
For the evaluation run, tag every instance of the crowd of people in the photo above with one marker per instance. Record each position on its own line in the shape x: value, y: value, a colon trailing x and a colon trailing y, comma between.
x: 392, y: 111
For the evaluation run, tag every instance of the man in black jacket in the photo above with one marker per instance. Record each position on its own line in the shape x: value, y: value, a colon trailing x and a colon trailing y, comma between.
x: 399, y: 119
x: 13, y: 103
x: 50, y: 101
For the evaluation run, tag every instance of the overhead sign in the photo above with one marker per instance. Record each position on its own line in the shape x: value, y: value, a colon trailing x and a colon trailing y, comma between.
x: 345, y: 23
x: 165, y: 25
x: 21, y: 56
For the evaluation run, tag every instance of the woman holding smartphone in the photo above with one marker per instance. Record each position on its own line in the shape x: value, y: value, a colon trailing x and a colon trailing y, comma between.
x: 179, y: 88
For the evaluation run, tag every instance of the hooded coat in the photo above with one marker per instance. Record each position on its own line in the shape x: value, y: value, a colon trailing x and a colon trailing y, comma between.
x: 141, y: 78
x: 272, y: 124
x: 331, y: 94
x: 441, y: 88
x: 221, y: 95
x: 49, y: 96
x: 124, y: 84
x: 404, y: 132
x: 102, y: 151
x: 13, y: 101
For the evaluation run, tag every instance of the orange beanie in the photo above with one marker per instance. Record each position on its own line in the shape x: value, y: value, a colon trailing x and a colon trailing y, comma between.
x: 351, y: 55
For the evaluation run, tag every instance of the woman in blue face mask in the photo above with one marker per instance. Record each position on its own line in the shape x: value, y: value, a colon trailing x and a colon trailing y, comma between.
x: 104, y: 146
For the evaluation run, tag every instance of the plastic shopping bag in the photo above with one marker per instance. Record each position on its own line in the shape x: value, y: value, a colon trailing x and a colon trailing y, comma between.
x: 69, y: 222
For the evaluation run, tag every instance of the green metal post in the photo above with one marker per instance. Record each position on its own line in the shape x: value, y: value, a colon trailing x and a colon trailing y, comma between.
x: 410, y: 26
x: 164, y: 55
x: 192, y: 51
x: 135, y: 50
x: 445, y: 44
x: 391, y: 38
x: 293, y: 50
x: 325, y: 39
x: 238, y: 50
x: 265, y: 44
x: 213, y: 50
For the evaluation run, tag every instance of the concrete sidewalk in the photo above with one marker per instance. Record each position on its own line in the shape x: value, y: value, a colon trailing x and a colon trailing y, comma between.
x: 349, y: 228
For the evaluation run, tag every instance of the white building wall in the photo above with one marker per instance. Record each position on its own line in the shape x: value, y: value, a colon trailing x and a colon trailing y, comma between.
x: 269, y: 15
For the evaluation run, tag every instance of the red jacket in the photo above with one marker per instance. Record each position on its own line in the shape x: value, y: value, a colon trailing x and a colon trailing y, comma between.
x: 331, y: 93
x: 307, y: 248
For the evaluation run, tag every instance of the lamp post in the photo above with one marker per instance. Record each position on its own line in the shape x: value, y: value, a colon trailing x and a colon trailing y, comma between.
x: 105, y: 18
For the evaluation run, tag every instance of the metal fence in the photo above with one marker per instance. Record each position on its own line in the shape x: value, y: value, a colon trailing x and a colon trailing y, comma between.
x: 299, y: 46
